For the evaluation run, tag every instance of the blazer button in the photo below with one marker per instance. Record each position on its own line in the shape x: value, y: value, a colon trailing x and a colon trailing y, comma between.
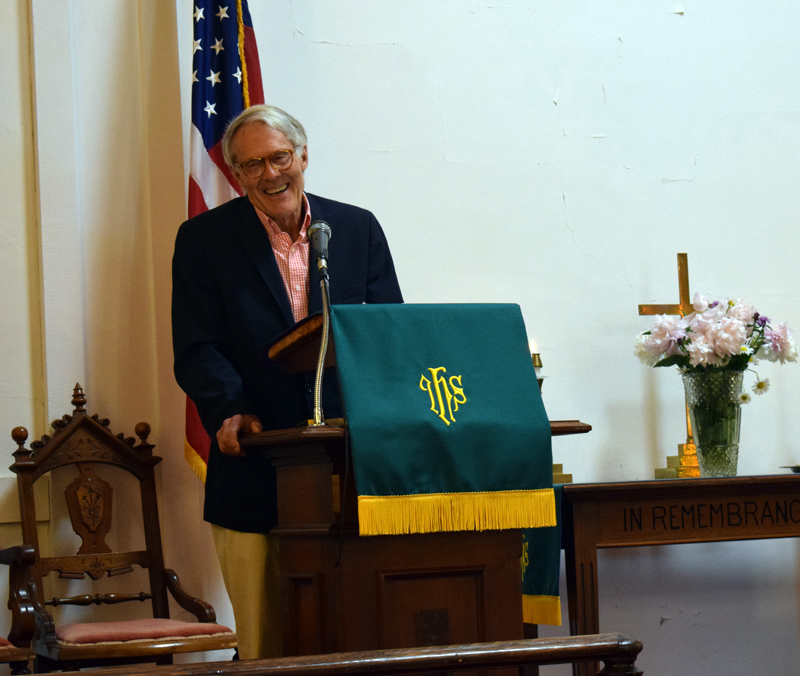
x: 309, y: 388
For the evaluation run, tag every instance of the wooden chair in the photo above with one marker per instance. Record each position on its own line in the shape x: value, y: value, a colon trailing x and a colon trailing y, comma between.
x: 16, y: 651
x: 86, y: 444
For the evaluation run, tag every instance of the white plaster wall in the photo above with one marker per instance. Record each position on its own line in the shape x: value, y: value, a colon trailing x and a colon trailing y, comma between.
x: 559, y: 155
x: 553, y: 155
x: 21, y: 387
x: 91, y: 197
x: 131, y: 191
x: 20, y: 329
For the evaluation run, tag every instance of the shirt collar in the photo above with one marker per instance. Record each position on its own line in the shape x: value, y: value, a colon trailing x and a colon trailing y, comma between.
x: 273, y: 228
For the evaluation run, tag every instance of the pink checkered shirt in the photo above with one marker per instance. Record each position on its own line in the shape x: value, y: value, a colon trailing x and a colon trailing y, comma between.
x: 292, y: 259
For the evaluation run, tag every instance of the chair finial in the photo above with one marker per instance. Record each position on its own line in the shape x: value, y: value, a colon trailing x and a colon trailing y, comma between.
x: 78, y: 399
x: 20, y: 435
x: 142, y: 431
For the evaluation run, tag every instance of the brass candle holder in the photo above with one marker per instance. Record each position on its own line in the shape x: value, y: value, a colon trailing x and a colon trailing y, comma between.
x: 537, y: 365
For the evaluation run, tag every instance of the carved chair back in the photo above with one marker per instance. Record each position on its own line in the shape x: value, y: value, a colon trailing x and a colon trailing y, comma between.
x: 86, y: 443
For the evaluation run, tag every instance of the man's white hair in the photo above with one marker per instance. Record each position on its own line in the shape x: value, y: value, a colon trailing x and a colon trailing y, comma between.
x: 274, y: 118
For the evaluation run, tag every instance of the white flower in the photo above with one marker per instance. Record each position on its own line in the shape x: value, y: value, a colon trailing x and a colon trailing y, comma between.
x: 745, y: 398
x: 779, y: 345
x: 761, y: 386
x: 701, y: 351
x: 642, y: 350
x: 707, y: 320
x: 742, y: 311
x: 730, y: 336
x: 700, y: 303
x: 719, y: 335
x: 665, y: 334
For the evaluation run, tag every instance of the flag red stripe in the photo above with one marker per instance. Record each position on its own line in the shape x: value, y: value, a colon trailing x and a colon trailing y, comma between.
x: 197, y: 204
x: 195, y: 433
x: 215, y: 153
x: 254, y: 85
x: 196, y: 438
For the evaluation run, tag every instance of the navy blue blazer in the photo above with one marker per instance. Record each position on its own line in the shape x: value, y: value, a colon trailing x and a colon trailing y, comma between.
x: 228, y: 301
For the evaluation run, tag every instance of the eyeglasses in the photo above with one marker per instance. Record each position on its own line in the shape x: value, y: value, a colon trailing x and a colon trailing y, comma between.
x: 280, y: 161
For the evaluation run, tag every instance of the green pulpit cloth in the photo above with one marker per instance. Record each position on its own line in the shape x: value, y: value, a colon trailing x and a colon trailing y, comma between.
x: 541, y: 565
x: 447, y: 427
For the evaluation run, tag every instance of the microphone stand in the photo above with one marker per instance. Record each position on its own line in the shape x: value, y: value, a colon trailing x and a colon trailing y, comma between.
x: 322, y: 266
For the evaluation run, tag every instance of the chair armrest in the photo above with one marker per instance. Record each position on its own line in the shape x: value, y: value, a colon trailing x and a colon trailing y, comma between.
x: 203, y: 611
x: 23, y: 555
x: 21, y: 596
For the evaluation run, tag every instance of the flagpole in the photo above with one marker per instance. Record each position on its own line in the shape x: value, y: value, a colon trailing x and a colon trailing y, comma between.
x: 226, y: 79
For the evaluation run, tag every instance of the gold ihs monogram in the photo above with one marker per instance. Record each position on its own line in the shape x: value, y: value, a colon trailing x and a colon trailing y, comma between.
x: 524, y: 560
x: 446, y: 394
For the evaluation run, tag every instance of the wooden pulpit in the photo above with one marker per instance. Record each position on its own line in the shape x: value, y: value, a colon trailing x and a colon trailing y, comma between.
x: 344, y: 592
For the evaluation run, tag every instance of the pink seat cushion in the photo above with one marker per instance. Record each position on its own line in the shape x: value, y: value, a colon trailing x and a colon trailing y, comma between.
x: 4, y: 643
x: 135, y: 630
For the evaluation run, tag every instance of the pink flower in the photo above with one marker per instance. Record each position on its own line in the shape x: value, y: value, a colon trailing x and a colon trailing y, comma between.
x: 665, y: 334
x: 742, y: 311
x: 704, y: 322
x: 718, y: 335
x: 701, y: 351
x: 779, y: 345
x: 700, y: 303
x: 699, y: 325
x: 730, y: 336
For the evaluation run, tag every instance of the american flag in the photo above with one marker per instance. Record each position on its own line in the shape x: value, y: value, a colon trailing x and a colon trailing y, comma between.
x: 226, y: 79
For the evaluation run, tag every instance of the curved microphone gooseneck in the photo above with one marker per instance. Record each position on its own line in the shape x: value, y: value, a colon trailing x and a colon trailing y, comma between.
x: 320, y: 233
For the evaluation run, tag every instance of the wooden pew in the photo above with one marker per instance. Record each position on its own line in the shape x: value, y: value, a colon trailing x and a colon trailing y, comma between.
x: 618, y: 653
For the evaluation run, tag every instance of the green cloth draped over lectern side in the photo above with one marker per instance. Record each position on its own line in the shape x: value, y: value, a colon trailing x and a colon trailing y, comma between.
x: 447, y: 426
x: 541, y: 568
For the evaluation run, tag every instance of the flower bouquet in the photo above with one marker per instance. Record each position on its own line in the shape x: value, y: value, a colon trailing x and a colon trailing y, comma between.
x: 713, y: 347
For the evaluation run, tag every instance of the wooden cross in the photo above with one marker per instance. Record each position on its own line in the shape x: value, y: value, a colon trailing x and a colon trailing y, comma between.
x: 685, y: 306
x: 688, y: 451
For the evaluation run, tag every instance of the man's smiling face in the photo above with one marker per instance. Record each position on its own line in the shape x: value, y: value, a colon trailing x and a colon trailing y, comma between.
x: 279, y: 194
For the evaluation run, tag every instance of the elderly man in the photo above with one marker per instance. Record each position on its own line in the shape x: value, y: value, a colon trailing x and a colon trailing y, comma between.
x: 241, y: 276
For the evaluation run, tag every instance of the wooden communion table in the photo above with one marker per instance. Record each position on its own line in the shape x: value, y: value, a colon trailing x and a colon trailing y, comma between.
x: 672, y: 511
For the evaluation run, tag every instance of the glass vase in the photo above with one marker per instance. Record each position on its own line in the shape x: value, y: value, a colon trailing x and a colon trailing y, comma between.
x: 715, y: 413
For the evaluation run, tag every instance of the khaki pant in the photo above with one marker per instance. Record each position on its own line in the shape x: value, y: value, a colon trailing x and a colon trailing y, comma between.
x: 249, y: 563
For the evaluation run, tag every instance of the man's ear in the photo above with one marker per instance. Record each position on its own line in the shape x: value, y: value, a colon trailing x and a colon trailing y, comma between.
x: 237, y: 174
x: 304, y: 158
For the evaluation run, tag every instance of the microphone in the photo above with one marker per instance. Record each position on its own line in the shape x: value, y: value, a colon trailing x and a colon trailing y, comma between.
x: 320, y: 233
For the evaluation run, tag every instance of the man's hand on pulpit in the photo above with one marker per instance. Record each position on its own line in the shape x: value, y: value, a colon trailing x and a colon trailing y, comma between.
x: 228, y: 435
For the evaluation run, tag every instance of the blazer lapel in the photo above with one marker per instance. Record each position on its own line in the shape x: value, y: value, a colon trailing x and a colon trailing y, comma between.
x: 256, y: 243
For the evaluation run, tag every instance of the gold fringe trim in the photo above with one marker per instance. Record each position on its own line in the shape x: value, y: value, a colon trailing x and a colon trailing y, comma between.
x: 438, y: 512
x: 541, y: 610
x: 245, y: 81
x: 195, y: 461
